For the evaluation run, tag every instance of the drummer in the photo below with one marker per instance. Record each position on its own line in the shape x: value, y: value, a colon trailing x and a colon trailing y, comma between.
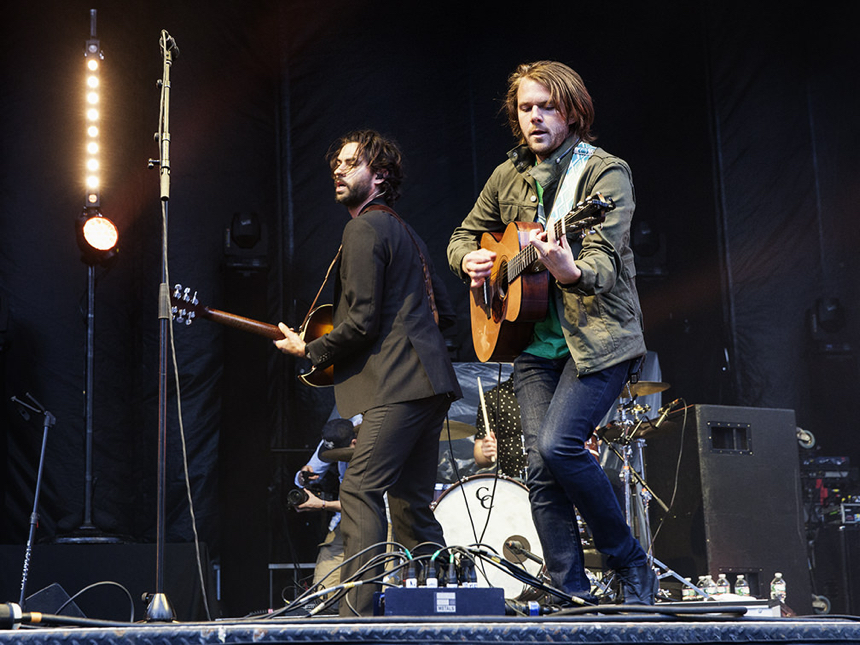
x: 504, y: 442
x: 502, y: 447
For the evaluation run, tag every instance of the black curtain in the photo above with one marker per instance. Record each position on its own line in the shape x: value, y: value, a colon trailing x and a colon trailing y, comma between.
x: 739, y: 122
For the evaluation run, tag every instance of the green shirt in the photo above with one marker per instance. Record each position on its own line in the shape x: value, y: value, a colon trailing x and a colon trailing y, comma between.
x: 548, y: 338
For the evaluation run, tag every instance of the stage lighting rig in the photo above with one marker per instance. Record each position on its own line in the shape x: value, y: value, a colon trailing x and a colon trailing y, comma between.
x: 97, y: 235
x: 93, y: 58
x: 97, y: 238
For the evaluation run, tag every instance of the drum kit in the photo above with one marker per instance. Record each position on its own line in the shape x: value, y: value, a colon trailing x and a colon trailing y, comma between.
x: 493, y: 510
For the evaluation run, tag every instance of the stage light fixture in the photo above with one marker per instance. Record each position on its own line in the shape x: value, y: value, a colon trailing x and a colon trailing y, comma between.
x: 93, y: 57
x: 98, y: 237
x: 100, y: 233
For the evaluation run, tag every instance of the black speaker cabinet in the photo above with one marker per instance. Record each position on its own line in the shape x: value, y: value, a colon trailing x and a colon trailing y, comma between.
x: 836, y: 567
x: 737, y: 501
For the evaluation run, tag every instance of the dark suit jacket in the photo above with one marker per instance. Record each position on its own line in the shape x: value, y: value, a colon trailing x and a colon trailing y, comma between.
x: 385, y: 345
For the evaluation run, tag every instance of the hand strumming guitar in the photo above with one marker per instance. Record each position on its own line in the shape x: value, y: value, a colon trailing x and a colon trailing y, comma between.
x: 478, y: 265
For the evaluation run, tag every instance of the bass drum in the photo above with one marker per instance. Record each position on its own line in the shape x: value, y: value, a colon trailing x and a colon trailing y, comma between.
x: 491, y: 510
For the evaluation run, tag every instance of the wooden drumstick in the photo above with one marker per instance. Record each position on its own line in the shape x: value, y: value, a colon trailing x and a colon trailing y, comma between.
x: 486, y: 418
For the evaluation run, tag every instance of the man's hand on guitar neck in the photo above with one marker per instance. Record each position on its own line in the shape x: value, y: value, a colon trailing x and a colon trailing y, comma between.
x: 556, y: 256
x: 478, y: 265
x: 292, y: 343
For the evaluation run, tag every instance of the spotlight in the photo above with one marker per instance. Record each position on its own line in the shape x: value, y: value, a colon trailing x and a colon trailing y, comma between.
x: 246, y: 244
x: 649, y: 250
x: 97, y: 237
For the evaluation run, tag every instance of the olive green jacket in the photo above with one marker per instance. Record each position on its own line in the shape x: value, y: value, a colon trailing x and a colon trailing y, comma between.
x: 602, y: 320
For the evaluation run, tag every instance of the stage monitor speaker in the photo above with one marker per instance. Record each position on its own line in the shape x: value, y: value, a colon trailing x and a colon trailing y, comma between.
x: 737, y: 500
x: 53, y: 599
x: 836, y: 567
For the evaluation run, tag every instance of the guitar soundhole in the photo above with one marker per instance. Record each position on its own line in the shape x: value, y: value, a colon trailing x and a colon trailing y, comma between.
x: 500, y: 291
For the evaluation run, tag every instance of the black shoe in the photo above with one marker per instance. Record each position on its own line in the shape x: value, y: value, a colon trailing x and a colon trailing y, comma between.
x: 639, y: 585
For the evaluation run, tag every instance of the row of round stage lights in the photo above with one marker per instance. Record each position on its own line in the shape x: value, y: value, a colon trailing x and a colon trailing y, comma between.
x: 97, y: 235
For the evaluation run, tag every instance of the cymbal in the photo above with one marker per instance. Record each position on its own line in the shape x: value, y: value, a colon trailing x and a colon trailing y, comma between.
x: 643, y: 388
x: 457, y: 429
x: 337, y: 454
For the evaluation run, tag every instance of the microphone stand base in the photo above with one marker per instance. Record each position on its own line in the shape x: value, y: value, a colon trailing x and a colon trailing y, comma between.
x: 159, y: 609
x: 89, y: 534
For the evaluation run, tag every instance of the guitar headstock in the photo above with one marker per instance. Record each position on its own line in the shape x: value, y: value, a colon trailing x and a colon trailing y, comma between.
x: 184, y: 305
x: 599, y: 202
x: 586, y: 217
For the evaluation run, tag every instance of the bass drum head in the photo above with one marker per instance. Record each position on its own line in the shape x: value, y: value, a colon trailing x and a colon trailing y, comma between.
x: 491, y: 510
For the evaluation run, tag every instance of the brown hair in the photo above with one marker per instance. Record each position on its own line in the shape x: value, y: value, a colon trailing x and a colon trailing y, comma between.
x: 381, y: 154
x: 566, y: 89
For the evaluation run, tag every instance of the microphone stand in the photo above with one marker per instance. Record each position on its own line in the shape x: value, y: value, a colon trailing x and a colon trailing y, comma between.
x: 159, y: 608
x: 48, y: 422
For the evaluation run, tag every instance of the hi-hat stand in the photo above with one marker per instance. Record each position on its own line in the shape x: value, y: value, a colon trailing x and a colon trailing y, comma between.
x: 637, y: 493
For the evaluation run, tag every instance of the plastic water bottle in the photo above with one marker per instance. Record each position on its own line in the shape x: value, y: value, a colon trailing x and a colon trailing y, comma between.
x: 723, y: 585
x: 777, y: 587
x: 687, y: 592
x: 742, y: 586
x: 708, y: 585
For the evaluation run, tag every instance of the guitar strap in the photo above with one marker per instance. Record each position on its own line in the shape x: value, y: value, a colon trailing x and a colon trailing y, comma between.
x: 428, y: 283
x: 564, y: 198
x: 322, y: 286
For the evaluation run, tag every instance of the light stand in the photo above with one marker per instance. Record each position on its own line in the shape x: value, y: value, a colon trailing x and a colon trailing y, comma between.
x: 88, y: 532
x: 97, y: 238
x: 159, y: 608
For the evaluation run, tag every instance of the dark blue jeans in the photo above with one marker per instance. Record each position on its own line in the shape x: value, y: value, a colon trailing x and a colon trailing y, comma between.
x: 559, y: 412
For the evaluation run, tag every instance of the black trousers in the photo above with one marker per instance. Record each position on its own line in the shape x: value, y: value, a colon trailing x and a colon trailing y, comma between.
x: 396, y: 452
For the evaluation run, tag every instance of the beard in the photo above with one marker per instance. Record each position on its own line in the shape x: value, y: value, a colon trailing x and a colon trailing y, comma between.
x: 356, y: 193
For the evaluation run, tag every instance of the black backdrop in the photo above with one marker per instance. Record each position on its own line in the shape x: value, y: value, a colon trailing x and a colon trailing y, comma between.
x: 738, y: 119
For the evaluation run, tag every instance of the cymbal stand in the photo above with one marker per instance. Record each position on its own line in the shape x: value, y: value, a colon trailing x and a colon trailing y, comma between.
x: 637, y: 493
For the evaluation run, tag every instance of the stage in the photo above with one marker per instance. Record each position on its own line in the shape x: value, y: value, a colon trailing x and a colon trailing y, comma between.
x: 627, y: 628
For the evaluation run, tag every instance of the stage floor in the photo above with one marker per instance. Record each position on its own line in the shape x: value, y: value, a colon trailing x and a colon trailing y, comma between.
x: 620, y: 628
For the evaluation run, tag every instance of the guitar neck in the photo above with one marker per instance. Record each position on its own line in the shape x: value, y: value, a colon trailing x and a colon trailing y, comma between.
x: 241, y: 323
x: 575, y: 222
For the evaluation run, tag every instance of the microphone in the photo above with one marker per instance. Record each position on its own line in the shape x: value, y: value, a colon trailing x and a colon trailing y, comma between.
x: 170, y: 44
x: 517, y: 548
x: 664, y: 412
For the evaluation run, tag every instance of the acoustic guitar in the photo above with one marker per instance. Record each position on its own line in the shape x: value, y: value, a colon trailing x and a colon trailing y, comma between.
x: 186, y: 308
x: 504, y: 309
